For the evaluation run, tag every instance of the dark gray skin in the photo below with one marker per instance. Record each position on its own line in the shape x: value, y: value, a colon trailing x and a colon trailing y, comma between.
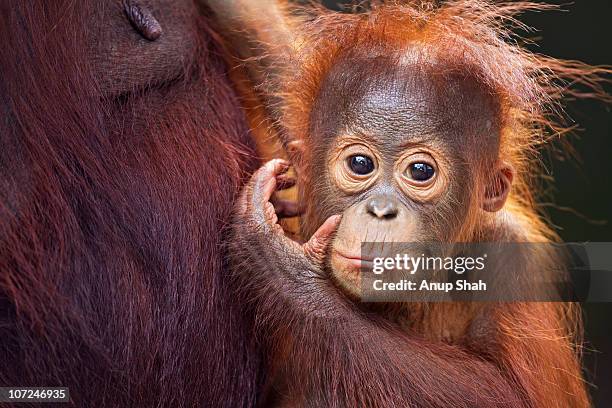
x: 311, y: 328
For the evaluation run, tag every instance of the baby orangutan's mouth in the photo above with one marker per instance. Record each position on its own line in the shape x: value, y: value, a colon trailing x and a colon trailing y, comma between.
x: 348, y: 261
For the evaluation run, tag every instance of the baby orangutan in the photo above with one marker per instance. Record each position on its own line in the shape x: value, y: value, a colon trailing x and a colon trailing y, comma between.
x: 412, y: 156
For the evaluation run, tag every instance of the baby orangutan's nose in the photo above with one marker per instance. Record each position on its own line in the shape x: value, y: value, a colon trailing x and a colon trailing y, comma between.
x: 383, y: 207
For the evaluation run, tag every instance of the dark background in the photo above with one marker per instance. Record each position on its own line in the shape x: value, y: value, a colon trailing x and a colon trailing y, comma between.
x: 580, y: 201
x: 583, y: 32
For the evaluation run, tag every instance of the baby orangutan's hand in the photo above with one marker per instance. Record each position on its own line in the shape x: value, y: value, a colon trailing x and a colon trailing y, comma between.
x: 258, y: 214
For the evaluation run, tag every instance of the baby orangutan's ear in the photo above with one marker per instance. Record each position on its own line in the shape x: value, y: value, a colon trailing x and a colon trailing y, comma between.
x: 295, y: 153
x: 498, y: 188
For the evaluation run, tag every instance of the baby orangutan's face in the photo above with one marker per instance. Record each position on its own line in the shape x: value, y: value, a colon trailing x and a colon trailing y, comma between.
x: 400, y: 160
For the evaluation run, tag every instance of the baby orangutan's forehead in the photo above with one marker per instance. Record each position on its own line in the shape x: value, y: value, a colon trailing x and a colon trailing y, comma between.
x: 394, y: 103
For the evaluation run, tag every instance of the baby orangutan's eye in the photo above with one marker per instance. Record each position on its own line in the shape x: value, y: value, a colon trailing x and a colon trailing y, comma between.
x: 354, y: 166
x: 360, y: 164
x: 420, y: 171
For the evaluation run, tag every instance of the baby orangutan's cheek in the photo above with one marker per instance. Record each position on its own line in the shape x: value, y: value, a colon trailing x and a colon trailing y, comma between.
x: 345, y: 256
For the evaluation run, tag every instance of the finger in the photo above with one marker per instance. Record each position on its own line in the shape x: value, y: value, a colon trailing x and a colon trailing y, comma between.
x: 264, y: 181
x: 317, y: 244
x: 277, y: 166
x: 270, y: 215
x: 284, y: 182
x: 287, y: 208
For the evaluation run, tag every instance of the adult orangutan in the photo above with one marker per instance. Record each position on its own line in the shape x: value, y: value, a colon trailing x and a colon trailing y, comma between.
x: 122, y: 146
x: 408, y: 123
